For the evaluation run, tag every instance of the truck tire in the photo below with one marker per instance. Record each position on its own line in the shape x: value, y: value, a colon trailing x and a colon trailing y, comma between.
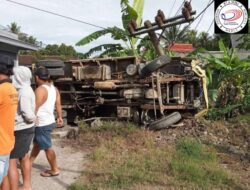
x: 154, y: 65
x: 50, y: 63
x: 165, y: 122
x: 56, y: 72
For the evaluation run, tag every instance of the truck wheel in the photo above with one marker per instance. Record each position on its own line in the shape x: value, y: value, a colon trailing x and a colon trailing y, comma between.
x: 56, y: 72
x: 154, y: 65
x: 165, y: 122
x: 50, y: 63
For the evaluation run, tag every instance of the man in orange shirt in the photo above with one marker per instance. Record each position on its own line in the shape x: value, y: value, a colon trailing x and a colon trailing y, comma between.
x: 8, y: 108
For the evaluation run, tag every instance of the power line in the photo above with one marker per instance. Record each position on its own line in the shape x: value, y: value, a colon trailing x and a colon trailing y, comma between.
x: 169, y: 15
x: 56, y: 14
x: 210, y: 26
x: 197, y: 16
x: 201, y: 17
x: 171, y: 10
x: 201, y: 13
x: 180, y: 8
x: 180, y: 25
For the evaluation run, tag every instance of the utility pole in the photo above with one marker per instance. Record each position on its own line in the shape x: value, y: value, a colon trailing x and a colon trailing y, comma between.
x: 161, y: 23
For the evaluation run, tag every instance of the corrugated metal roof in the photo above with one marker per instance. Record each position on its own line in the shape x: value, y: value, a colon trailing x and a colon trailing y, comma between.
x: 12, y: 39
x: 181, y: 48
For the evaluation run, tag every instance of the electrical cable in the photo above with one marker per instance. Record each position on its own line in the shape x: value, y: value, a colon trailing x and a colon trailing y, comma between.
x: 175, y: 15
x: 210, y: 26
x: 201, y: 17
x: 201, y: 12
x: 171, y: 10
x: 180, y: 8
x: 94, y: 25
x: 56, y: 14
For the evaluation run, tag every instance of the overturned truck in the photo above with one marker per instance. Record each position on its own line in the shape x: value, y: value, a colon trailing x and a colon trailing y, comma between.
x: 156, y: 93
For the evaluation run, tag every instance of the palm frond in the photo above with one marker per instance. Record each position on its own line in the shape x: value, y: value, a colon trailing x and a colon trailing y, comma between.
x: 103, y: 47
x: 116, y: 33
x: 114, y: 53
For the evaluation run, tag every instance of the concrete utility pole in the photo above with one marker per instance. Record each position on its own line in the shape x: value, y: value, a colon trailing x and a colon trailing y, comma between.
x: 154, y: 39
x: 161, y: 23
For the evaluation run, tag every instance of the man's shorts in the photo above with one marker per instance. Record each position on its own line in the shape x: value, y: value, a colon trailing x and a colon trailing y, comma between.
x: 23, y: 139
x: 43, y: 136
x: 4, y: 166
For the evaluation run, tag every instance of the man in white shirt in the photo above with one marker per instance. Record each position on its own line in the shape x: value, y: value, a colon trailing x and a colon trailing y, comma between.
x: 47, y: 98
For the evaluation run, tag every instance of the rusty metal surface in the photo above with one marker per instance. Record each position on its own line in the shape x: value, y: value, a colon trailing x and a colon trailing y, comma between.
x: 126, y: 95
x: 123, y: 112
x: 112, y: 92
x: 165, y: 107
x: 158, y: 85
x: 106, y: 87
x: 176, y: 79
x: 94, y: 60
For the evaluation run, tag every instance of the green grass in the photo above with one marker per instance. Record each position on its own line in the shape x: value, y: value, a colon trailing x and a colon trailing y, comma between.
x: 244, y: 118
x: 125, y: 157
x: 122, y: 164
x: 197, y: 165
x: 111, y: 128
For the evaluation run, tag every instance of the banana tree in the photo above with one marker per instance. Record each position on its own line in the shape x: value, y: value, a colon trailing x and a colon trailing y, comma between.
x: 129, y: 13
x: 227, y: 78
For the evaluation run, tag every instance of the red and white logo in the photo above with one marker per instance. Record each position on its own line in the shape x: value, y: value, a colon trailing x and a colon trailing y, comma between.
x: 231, y: 16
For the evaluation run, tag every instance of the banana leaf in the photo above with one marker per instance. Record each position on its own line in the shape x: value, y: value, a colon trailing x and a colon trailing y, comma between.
x: 116, y: 33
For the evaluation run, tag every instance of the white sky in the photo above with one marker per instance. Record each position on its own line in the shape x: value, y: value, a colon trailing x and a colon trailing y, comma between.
x: 107, y: 13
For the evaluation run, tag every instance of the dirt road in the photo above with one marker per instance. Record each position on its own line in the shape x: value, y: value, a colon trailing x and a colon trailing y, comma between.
x: 70, y: 161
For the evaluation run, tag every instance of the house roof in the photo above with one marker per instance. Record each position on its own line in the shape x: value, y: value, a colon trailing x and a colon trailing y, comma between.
x: 181, y: 48
x: 12, y: 40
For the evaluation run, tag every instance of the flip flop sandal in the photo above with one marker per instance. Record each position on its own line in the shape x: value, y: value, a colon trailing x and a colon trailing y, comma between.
x: 49, y: 173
